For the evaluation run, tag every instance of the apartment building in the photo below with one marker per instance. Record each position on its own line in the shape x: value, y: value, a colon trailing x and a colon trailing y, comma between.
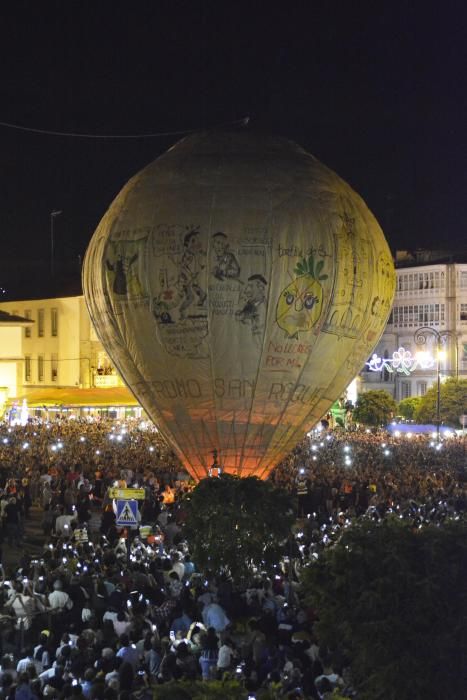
x: 429, y: 314
x: 57, y: 349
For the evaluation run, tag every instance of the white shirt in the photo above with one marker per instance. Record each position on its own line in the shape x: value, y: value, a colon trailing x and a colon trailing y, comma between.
x: 59, y: 600
x: 109, y: 615
x: 225, y: 656
x: 24, y: 606
x: 63, y: 524
x: 179, y: 569
x: 24, y: 663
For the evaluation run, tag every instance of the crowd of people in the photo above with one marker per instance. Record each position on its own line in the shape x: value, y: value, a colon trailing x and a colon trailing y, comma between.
x: 104, y: 612
x: 339, y: 471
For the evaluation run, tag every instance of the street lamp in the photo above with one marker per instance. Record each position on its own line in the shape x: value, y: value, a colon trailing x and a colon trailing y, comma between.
x: 420, y: 337
x: 53, y: 215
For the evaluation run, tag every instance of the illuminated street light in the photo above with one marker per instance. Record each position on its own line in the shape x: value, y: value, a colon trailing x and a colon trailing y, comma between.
x: 420, y: 337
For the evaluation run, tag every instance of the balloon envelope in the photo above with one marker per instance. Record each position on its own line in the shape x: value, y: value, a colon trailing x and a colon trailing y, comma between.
x: 238, y: 285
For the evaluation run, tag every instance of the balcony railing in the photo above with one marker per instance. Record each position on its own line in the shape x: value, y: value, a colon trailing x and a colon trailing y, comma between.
x: 106, y: 380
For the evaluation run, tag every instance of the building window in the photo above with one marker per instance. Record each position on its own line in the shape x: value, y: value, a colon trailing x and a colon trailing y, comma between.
x: 417, y: 315
x: 27, y: 330
x: 27, y: 368
x: 463, y: 312
x: 40, y: 368
x: 40, y: 323
x: 421, y: 388
x: 463, y: 280
x: 405, y: 390
x: 54, y: 322
x: 54, y: 367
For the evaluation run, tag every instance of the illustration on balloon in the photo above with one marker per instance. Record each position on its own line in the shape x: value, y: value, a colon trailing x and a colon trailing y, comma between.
x: 238, y: 285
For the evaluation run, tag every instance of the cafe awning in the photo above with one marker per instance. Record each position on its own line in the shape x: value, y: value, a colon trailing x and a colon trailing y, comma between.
x: 71, y: 397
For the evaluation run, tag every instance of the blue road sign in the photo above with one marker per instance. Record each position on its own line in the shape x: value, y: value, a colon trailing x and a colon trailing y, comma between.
x: 127, y: 514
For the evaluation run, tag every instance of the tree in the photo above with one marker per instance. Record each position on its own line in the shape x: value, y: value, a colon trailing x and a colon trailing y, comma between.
x: 394, y: 600
x: 234, y: 524
x: 200, y: 690
x: 375, y: 407
x: 407, y: 407
x: 453, y: 403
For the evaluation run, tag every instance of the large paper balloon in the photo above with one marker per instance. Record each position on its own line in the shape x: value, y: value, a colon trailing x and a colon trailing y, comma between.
x: 238, y: 285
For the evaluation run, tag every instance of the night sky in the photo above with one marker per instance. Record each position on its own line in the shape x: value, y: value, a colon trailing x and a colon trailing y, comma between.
x: 377, y: 92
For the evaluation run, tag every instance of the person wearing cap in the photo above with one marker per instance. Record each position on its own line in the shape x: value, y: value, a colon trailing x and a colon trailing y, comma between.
x: 42, y: 652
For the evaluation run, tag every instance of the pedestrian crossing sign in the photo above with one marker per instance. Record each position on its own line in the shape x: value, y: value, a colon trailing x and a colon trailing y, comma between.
x: 127, y: 514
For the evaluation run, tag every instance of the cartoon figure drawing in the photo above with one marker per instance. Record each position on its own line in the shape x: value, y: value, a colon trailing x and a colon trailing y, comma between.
x: 225, y: 265
x: 191, y: 265
x: 168, y: 299
x: 121, y: 268
x: 253, y: 311
x: 300, y: 303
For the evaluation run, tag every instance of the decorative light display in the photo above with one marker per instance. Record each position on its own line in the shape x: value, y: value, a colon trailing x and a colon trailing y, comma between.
x: 402, y: 361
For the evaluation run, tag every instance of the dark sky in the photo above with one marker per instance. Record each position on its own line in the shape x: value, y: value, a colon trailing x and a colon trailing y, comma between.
x: 377, y: 91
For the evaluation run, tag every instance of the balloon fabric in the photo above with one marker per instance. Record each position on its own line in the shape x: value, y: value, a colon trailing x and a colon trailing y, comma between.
x: 238, y: 285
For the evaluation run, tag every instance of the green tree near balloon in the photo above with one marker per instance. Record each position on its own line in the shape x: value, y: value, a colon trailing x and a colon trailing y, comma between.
x: 375, y: 408
x: 453, y: 403
x: 393, y: 599
x: 408, y: 407
x: 235, y: 525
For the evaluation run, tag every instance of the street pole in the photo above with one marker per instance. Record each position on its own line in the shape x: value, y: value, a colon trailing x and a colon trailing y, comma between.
x: 53, y: 214
x: 438, y: 387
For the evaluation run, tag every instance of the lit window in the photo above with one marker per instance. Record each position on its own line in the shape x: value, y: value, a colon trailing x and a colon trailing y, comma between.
x: 54, y: 322
x: 27, y: 368
x: 27, y: 330
x: 54, y: 367
x: 421, y: 388
x: 405, y: 390
x: 40, y: 323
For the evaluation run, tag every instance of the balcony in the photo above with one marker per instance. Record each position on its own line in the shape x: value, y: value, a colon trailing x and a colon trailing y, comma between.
x: 106, y: 381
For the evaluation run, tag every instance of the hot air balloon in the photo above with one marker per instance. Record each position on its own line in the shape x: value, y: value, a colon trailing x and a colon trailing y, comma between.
x: 238, y: 285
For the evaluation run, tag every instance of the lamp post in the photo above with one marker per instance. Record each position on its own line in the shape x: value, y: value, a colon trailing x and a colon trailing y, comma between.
x: 420, y: 337
x: 53, y: 215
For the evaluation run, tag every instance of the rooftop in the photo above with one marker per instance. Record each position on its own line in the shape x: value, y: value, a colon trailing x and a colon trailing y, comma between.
x: 422, y: 256
x: 7, y: 319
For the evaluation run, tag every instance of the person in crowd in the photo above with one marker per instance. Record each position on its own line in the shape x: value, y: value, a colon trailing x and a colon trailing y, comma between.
x: 95, y: 620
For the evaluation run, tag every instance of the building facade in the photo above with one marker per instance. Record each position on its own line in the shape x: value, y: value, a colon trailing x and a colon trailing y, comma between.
x: 429, y: 315
x: 11, y: 354
x: 58, y: 348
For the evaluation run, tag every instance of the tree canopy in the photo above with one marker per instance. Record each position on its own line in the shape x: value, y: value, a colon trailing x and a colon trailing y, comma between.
x: 394, y: 599
x: 235, y: 524
x: 453, y: 403
x: 407, y: 407
x: 375, y: 407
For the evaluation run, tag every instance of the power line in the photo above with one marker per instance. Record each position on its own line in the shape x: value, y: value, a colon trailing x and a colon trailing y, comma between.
x: 48, y: 132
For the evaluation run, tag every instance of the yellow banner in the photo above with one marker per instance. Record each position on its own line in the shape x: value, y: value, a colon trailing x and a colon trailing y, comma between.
x: 127, y: 494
